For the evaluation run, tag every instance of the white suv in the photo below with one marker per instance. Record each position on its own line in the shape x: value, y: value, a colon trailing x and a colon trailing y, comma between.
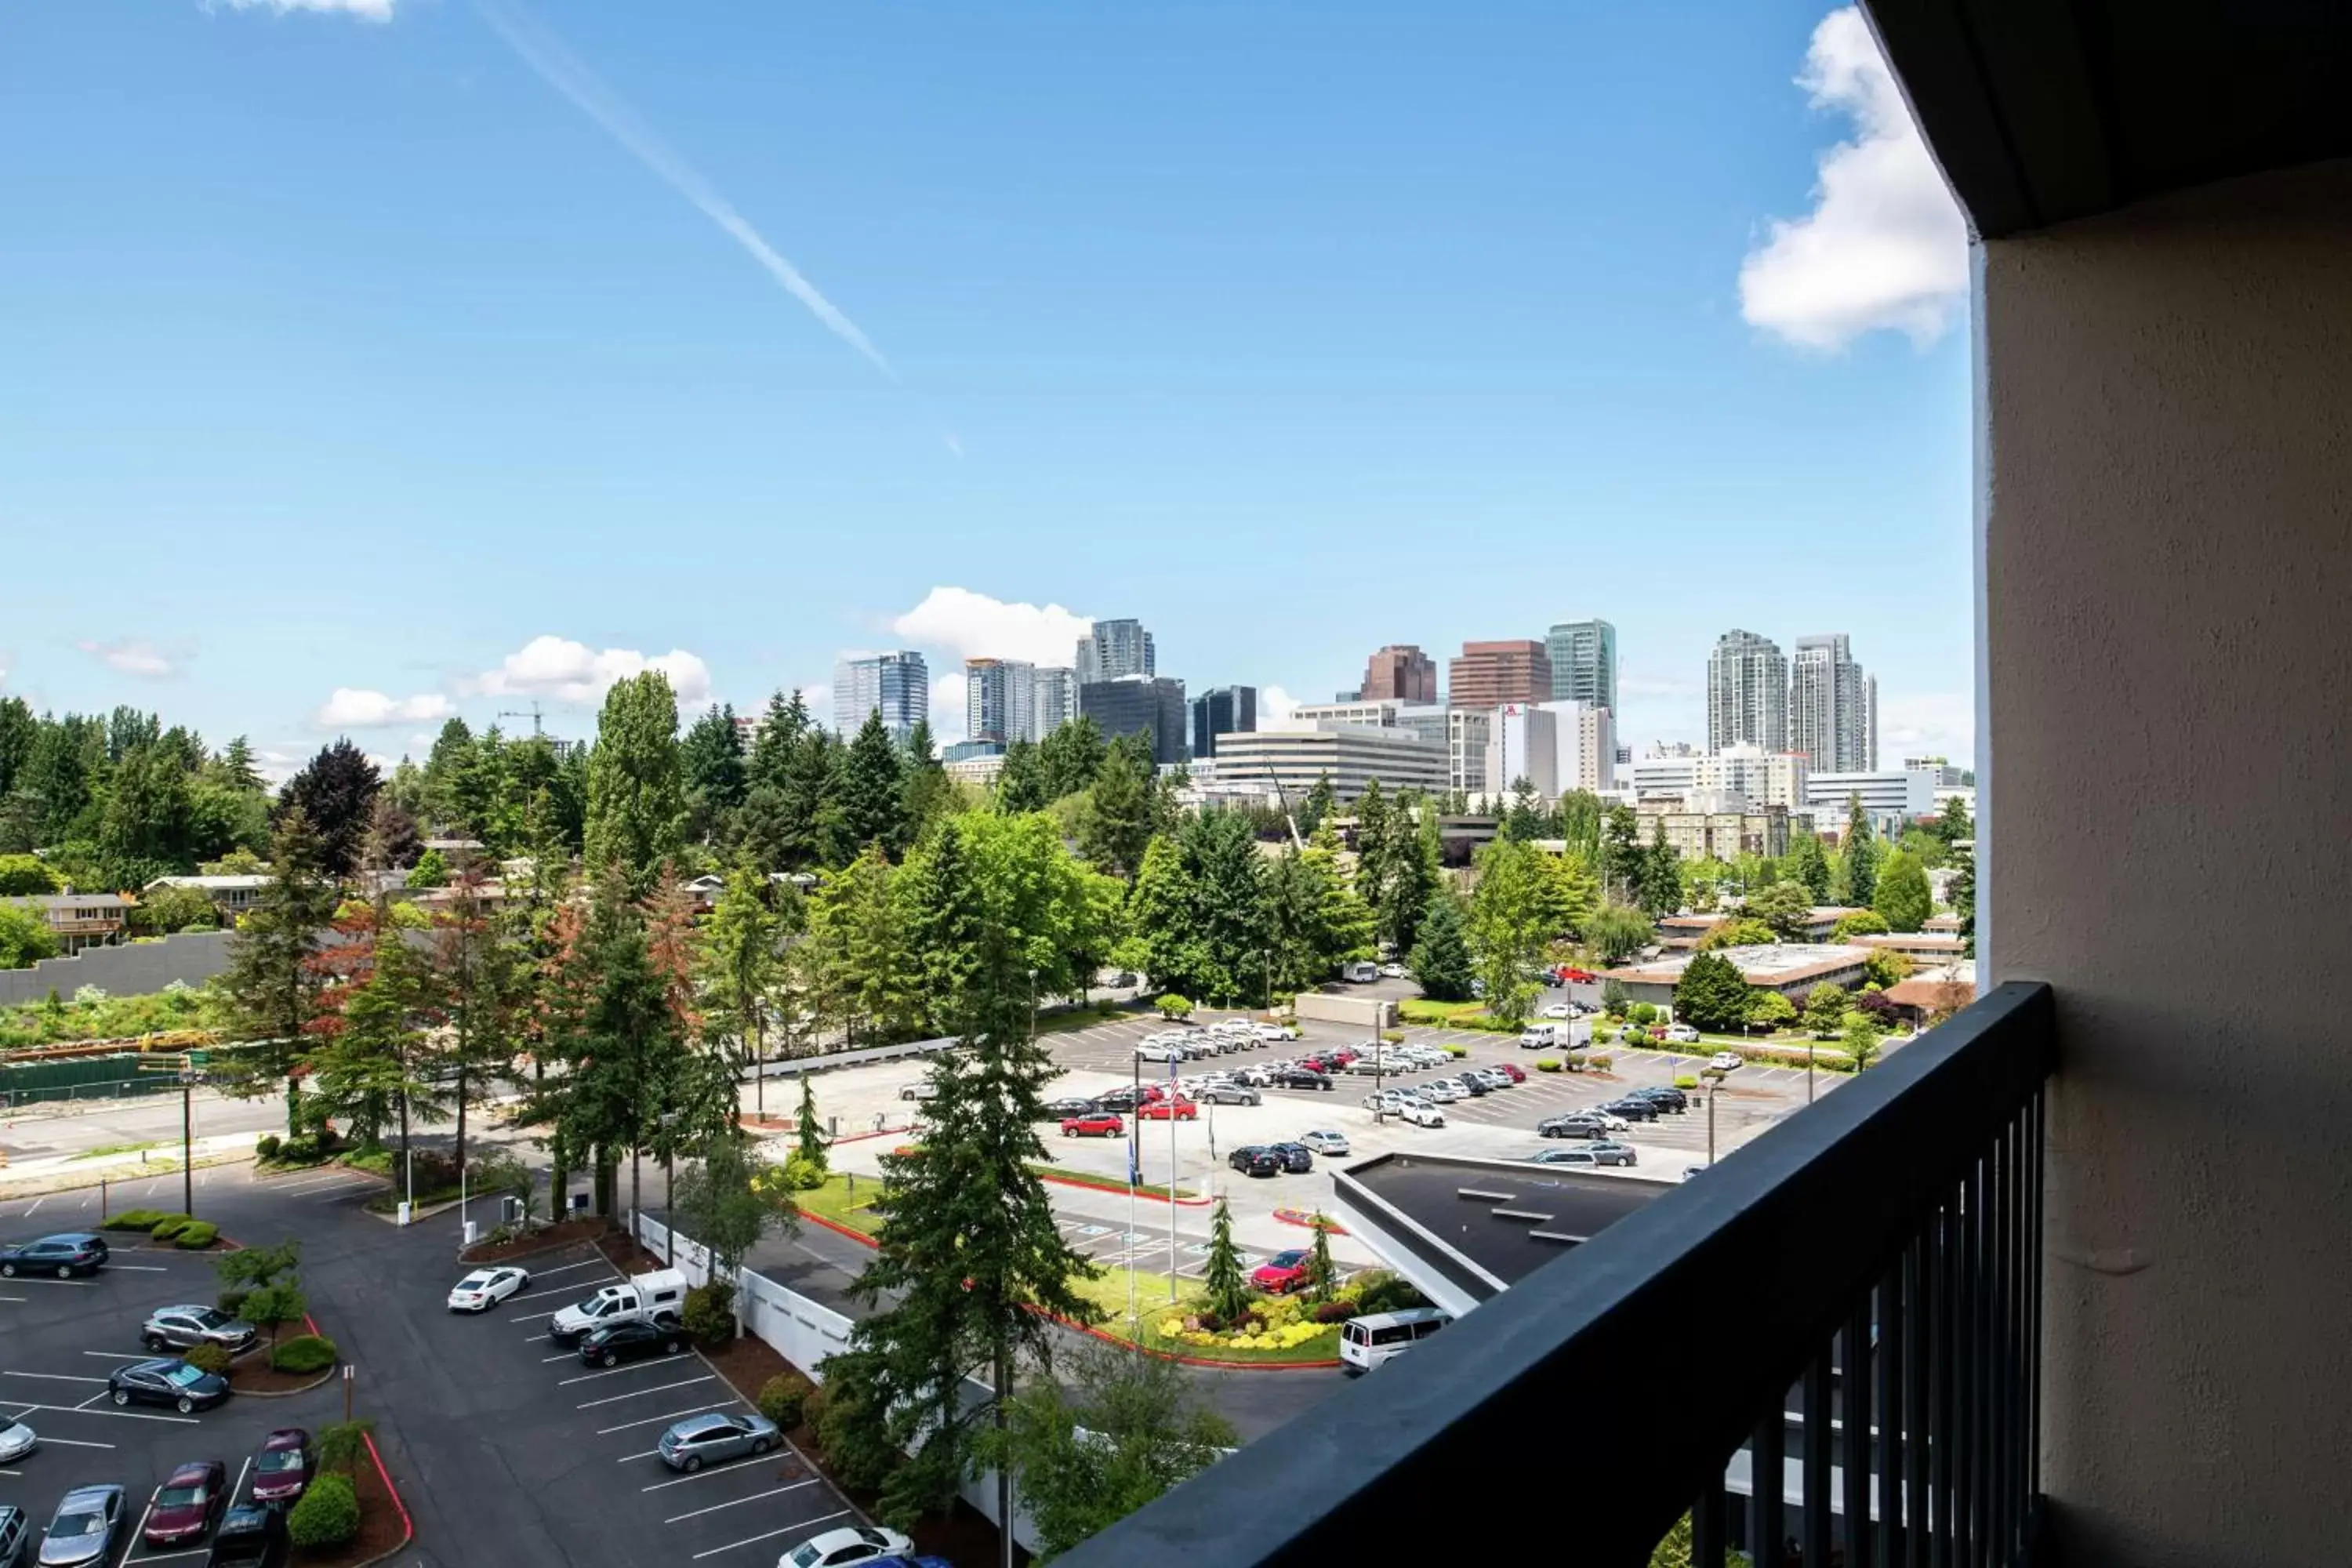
x: 1159, y: 1051
x: 1420, y: 1113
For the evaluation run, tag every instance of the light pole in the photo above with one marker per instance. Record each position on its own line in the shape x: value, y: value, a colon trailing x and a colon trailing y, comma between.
x: 1809, y: 1066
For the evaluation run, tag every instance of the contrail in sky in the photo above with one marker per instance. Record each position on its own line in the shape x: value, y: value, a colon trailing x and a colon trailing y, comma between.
x: 567, y: 74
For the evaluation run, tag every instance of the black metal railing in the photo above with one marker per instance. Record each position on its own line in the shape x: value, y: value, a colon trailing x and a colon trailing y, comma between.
x: 1849, y: 1307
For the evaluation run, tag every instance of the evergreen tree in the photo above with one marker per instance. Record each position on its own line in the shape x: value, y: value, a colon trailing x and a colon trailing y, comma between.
x: 970, y: 1254
x: 18, y: 730
x: 271, y: 989
x: 1414, y: 873
x: 1623, y: 861
x: 1662, y: 874
x: 716, y: 776
x: 336, y: 794
x: 636, y: 808
x: 1571, y: 893
x: 1160, y: 916
x: 632, y: 1041
x: 370, y: 1068
x: 808, y: 1136
x: 1902, y: 899
x: 1712, y: 994
x: 1319, y: 806
x: 1441, y: 961
x: 1229, y: 913
x: 863, y: 977
x: 782, y: 730
x: 1825, y: 1008
x: 1118, y: 819
x: 740, y: 965
x: 873, y: 785
x: 1320, y: 1273
x: 1071, y: 756
x: 1525, y: 820
x: 1228, y: 1285
x: 1857, y: 873
x: 479, y: 982
x: 1507, y: 925
x: 1952, y: 825
x: 1376, y: 829
x: 928, y: 793
x: 1021, y: 783
x: 1783, y: 906
x: 1963, y: 894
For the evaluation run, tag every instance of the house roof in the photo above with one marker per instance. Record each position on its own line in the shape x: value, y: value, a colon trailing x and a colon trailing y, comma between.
x: 1774, y: 965
x: 215, y: 884
x: 1916, y: 940
x: 69, y: 900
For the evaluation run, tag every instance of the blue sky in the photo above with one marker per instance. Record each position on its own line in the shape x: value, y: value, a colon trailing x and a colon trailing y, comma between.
x: 420, y: 353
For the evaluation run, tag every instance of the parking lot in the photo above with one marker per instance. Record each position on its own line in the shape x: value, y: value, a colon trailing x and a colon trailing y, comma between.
x: 59, y: 1339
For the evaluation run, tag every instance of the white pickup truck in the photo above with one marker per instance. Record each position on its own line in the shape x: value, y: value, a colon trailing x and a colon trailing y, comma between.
x: 657, y: 1294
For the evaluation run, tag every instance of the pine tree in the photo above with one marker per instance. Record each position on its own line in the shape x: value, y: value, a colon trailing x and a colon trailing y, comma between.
x: 1319, y: 806
x: 1116, y: 823
x: 873, y: 787
x: 1071, y: 756
x: 1227, y: 1286
x: 808, y: 1136
x: 1662, y: 874
x: 636, y: 808
x: 927, y: 791
x: 1021, y: 783
x: 1375, y: 825
x: 740, y: 964
x: 1902, y: 899
x: 479, y: 984
x: 969, y: 1248
x: 1320, y: 1273
x: 1441, y: 961
x: 1623, y: 860
x: 857, y: 948
x: 371, y: 1069
x: 1809, y: 867
x: 716, y: 779
x: 1229, y: 909
x: 1415, y: 871
x: 271, y: 989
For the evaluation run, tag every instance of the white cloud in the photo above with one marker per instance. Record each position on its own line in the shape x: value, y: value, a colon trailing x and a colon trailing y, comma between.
x: 366, y: 10
x: 130, y: 656
x: 949, y: 719
x: 572, y: 672
x: 1927, y: 724
x: 567, y: 74
x: 973, y: 626
x: 1277, y: 710
x: 354, y: 708
x: 1885, y: 245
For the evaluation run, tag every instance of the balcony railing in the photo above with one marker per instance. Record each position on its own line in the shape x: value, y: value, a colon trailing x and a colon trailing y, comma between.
x: 1849, y: 1306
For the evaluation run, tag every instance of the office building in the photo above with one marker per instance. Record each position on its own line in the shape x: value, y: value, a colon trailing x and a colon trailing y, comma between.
x: 1400, y: 672
x: 1888, y: 793
x: 1755, y: 775
x: 1716, y: 826
x: 1351, y: 756
x: 1114, y: 650
x: 965, y: 750
x: 1522, y: 745
x: 1583, y: 662
x: 1585, y: 737
x: 1135, y: 703
x: 1947, y: 775
x: 1228, y: 709
x: 1832, y: 706
x: 1747, y: 693
x: 896, y: 685
x: 1464, y: 732
x: 1491, y: 674
x: 1053, y: 699
x: 1000, y: 700
x: 1654, y: 778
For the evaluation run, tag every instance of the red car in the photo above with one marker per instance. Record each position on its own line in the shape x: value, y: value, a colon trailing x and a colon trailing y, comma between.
x: 1511, y: 1070
x: 1317, y: 1064
x: 1340, y: 1058
x: 187, y: 1505
x: 1102, y: 1124
x: 282, y: 1470
x: 1282, y: 1273
x: 1162, y: 1110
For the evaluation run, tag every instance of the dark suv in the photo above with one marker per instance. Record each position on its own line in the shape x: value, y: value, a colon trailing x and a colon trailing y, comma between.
x: 1255, y: 1160
x: 1663, y: 1096
x: 77, y: 1252
x: 1295, y: 1157
x: 1300, y: 1077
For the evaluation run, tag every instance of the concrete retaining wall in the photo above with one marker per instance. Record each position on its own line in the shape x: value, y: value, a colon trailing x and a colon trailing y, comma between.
x: 134, y: 969
x: 1369, y: 1013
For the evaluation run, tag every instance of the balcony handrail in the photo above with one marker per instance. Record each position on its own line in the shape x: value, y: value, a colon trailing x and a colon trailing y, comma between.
x: 1588, y: 1406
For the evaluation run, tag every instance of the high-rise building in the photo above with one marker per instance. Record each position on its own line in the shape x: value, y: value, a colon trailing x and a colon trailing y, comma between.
x: 1522, y: 745
x: 1400, y: 672
x: 896, y: 685
x: 1832, y: 706
x: 1053, y: 699
x: 1134, y: 704
x: 1747, y: 693
x: 1583, y: 662
x: 1586, y: 742
x: 1227, y: 710
x: 1000, y: 700
x: 1114, y: 650
x: 1491, y: 674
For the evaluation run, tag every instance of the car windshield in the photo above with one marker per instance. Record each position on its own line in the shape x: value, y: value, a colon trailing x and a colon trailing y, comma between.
x: 184, y: 1375
x: 1287, y: 1259
x: 207, y: 1317
x: 279, y: 1459
x: 180, y: 1497
x: 473, y: 1281
x: 806, y: 1557
x: 78, y: 1524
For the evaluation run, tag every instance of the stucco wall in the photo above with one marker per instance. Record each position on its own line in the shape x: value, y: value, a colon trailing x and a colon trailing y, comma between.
x: 2166, y: 653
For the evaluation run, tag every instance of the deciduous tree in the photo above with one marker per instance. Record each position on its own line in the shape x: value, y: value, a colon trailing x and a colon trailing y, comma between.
x: 336, y: 794
x: 1712, y: 994
x: 1507, y: 925
x: 1902, y: 899
x: 636, y: 809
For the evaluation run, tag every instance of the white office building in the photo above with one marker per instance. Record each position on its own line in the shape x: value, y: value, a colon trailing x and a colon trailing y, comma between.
x: 1747, y: 693
x: 1832, y: 706
x: 1000, y: 700
x: 1113, y: 650
x: 1585, y: 734
x: 1755, y: 775
x: 1524, y: 743
x: 1350, y: 755
x: 1887, y: 792
x: 1464, y: 733
x: 1656, y: 776
x: 1053, y: 699
x: 896, y: 685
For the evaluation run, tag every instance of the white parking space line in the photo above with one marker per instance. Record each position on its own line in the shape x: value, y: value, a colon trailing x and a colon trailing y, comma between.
x: 73, y: 1441
x: 314, y: 1184
x: 738, y: 1502
x: 641, y: 1392
x: 36, y: 1208
x: 533, y: 1317
x: 613, y: 1371
x: 788, y: 1529
x: 91, y: 1400
x: 164, y: 1556
x: 705, y: 1473
x: 537, y: 1339
x: 138, y: 1268
x: 77, y: 1284
x: 648, y: 1454
x: 673, y: 1416
x: 567, y: 1356
x: 20, y: 1300
x: 119, y: 1355
x: 238, y: 1490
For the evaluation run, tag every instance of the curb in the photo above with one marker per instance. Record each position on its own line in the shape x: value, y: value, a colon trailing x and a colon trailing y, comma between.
x: 839, y: 1228
x: 1121, y: 1188
x: 1301, y: 1218
x: 407, y: 1525
x: 320, y: 1382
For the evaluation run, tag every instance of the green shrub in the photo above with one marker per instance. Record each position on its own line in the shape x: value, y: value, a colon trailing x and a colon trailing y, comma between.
x: 170, y: 1226
x: 709, y: 1314
x: 1389, y: 1293
x: 784, y: 1399
x: 267, y: 1145
x: 806, y: 1175
x: 304, y: 1354
x: 1172, y: 1007
x: 135, y: 1219
x: 1393, y: 1037
x: 1457, y: 1051
x: 197, y: 1235
x: 328, y: 1515
x: 207, y: 1358
x: 299, y: 1150
x: 232, y: 1300
x: 1546, y: 1064
x: 1599, y: 1061
x: 1642, y: 1012
x: 1106, y: 1008
x: 1684, y: 1080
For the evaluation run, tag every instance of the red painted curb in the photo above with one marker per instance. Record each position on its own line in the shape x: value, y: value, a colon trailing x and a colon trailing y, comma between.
x: 407, y: 1524
x: 1120, y: 1187
x: 835, y: 1224
x: 1301, y: 1217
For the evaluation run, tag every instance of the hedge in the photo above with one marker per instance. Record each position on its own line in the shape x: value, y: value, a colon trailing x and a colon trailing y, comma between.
x: 304, y: 1354
x: 784, y: 1399
x: 207, y: 1358
x: 197, y: 1235
x: 165, y: 1229
x: 1546, y: 1064
x: 135, y: 1219
x: 328, y: 1515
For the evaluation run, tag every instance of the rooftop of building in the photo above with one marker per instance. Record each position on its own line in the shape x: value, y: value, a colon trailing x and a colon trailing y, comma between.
x: 1766, y: 963
x: 1508, y: 1217
x: 217, y: 884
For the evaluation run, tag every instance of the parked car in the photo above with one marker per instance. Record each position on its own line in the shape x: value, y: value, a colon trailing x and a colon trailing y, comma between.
x: 1284, y: 1272
x: 1445, y: 1091
x: 1559, y: 1010
x: 1255, y: 1160
x: 1380, y: 1338
x: 62, y: 1257
x: 1572, y: 1127
x: 1511, y: 1070
x: 922, y: 1090
x: 1259, y: 1075
x: 1387, y: 1101
x: 1116, y: 1099
x: 283, y: 1467
x: 1630, y: 1108
x: 1167, y: 1109
x: 1661, y: 1096
x: 632, y: 1340
x: 1296, y: 1158
x: 1392, y: 972
x: 15, y: 1534
x: 171, y: 1382
x: 184, y: 1328
x: 1161, y: 1051
x: 1420, y: 1113
x: 716, y: 1435
x: 1681, y: 1034
x: 1491, y: 1078
x: 861, y: 1543
x: 1056, y: 1109
x: 485, y: 1288
x: 16, y: 1441
x: 250, y: 1536
x: 1231, y: 1094
x: 1612, y: 1153
x: 1268, y: 1033
x: 1358, y: 973
x: 1095, y: 1124
x: 81, y: 1532
x: 1726, y: 1061
x: 1301, y: 1078
x: 1325, y: 1142
x: 187, y: 1505
x: 1583, y: 1157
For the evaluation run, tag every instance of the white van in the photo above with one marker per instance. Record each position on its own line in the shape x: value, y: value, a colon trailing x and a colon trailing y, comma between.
x: 1368, y: 1342
x: 1358, y: 973
x: 1539, y: 1037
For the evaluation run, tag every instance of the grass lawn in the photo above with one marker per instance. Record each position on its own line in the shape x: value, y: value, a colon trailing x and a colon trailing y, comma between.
x: 103, y: 1150
x: 1066, y: 1019
x: 836, y: 1203
x: 1109, y: 1293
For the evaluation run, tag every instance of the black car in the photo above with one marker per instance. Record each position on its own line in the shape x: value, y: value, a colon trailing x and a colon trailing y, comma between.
x: 250, y: 1536
x: 76, y: 1252
x: 1117, y: 1100
x: 1056, y: 1109
x: 1296, y: 1157
x: 1632, y: 1109
x: 1301, y: 1078
x: 1663, y: 1096
x: 1255, y: 1160
x: 616, y: 1343
x: 171, y: 1382
x: 1477, y: 1088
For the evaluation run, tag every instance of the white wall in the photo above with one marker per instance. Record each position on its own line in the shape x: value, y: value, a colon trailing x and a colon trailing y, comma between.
x: 2166, y: 654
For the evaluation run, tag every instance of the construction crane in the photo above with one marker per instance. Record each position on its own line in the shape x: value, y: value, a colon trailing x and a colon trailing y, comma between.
x: 536, y: 727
